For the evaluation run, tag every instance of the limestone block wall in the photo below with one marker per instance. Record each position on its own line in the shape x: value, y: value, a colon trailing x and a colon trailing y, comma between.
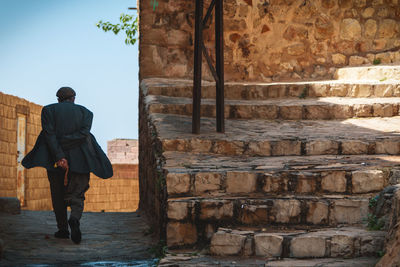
x: 123, y: 151
x: 272, y: 39
x: 37, y: 194
x: 117, y: 194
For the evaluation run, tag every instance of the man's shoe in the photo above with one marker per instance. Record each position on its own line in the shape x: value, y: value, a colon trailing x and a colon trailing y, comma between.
x: 61, y: 234
x: 76, y: 235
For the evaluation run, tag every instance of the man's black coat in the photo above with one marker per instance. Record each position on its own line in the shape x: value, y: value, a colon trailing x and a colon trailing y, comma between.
x: 66, y: 134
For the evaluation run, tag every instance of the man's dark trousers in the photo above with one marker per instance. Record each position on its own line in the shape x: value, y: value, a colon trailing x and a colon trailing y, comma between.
x: 72, y: 195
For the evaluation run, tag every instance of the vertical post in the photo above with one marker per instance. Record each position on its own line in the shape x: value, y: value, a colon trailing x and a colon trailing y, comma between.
x: 219, y: 54
x: 198, y: 40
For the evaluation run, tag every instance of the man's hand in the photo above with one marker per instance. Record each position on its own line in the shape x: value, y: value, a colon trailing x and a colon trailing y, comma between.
x: 63, y: 163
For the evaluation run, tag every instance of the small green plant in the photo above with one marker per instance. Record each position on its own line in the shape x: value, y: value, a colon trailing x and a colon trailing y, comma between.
x: 380, y: 253
x: 374, y: 223
x: 159, y: 250
x: 129, y: 24
x: 377, y: 61
x: 373, y: 201
x: 304, y: 93
x: 383, y: 79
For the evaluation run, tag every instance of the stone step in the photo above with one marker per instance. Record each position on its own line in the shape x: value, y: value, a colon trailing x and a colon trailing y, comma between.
x: 194, y: 258
x: 198, y: 217
x: 324, y: 108
x: 241, y: 183
x: 264, y: 91
x: 281, y: 138
x: 369, y: 73
x: 345, y: 242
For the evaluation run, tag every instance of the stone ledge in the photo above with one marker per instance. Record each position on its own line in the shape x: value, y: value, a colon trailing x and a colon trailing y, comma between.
x: 328, y: 210
x: 347, y: 242
x: 281, y: 138
x: 264, y: 91
x: 205, y: 183
x: 324, y: 108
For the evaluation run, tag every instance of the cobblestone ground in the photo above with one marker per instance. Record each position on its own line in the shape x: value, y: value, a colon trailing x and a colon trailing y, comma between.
x: 108, y: 239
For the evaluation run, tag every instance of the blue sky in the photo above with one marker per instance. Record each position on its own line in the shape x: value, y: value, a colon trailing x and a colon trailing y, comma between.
x: 46, y: 44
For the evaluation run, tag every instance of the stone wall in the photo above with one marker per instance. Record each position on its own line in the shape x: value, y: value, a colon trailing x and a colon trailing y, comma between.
x: 152, y: 181
x: 119, y: 193
x: 37, y: 194
x: 123, y: 151
x: 272, y: 39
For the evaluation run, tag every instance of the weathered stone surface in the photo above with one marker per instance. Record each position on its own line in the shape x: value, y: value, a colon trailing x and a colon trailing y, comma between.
x: 388, y: 28
x: 349, y: 211
x: 286, y: 148
x: 207, y: 182
x: 179, y: 234
x: 317, y: 212
x: 354, y: 147
x: 339, y: 59
x: 248, y: 247
x: 357, y: 60
x: 286, y: 210
x: 241, y: 182
x: 200, y: 145
x: 291, y: 112
x: 392, y: 242
x: 383, y: 110
x: 317, y: 112
x: 338, y: 90
x: 268, y: 245
x: 350, y: 30
x: 228, y: 148
x: 368, y: 12
x: 370, y: 245
x: 306, y: 183
x: 322, y: 147
x: 308, y: 246
x: 361, y: 110
x: 253, y: 214
x: 260, y: 148
x: 387, y: 147
x: 216, y: 209
x: 224, y: 244
x: 342, y: 246
x: 342, y: 112
x: 333, y: 181
x: 296, y: 49
x: 10, y: 205
x: 177, y: 210
x: 370, y: 28
x: 367, y: 181
x: 178, y: 183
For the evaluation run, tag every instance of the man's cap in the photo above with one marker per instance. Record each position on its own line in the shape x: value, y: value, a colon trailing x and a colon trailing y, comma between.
x: 65, y: 92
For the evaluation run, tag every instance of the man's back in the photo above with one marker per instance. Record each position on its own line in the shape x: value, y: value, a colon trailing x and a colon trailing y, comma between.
x: 68, y: 117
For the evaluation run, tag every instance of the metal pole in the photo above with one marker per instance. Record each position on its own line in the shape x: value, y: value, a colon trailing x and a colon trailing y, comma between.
x: 219, y: 54
x: 198, y: 40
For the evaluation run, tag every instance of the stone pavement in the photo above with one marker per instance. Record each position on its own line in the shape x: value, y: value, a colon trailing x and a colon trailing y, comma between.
x: 108, y: 239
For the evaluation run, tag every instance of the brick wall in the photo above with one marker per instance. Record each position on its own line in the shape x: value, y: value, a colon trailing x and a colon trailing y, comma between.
x: 119, y: 193
x: 123, y: 151
x: 37, y: 194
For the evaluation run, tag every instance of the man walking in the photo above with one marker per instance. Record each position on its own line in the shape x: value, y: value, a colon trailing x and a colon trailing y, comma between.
x: 69, y: 152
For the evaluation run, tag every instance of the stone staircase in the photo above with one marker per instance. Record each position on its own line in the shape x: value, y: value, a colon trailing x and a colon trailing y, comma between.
x: 292, y: 175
